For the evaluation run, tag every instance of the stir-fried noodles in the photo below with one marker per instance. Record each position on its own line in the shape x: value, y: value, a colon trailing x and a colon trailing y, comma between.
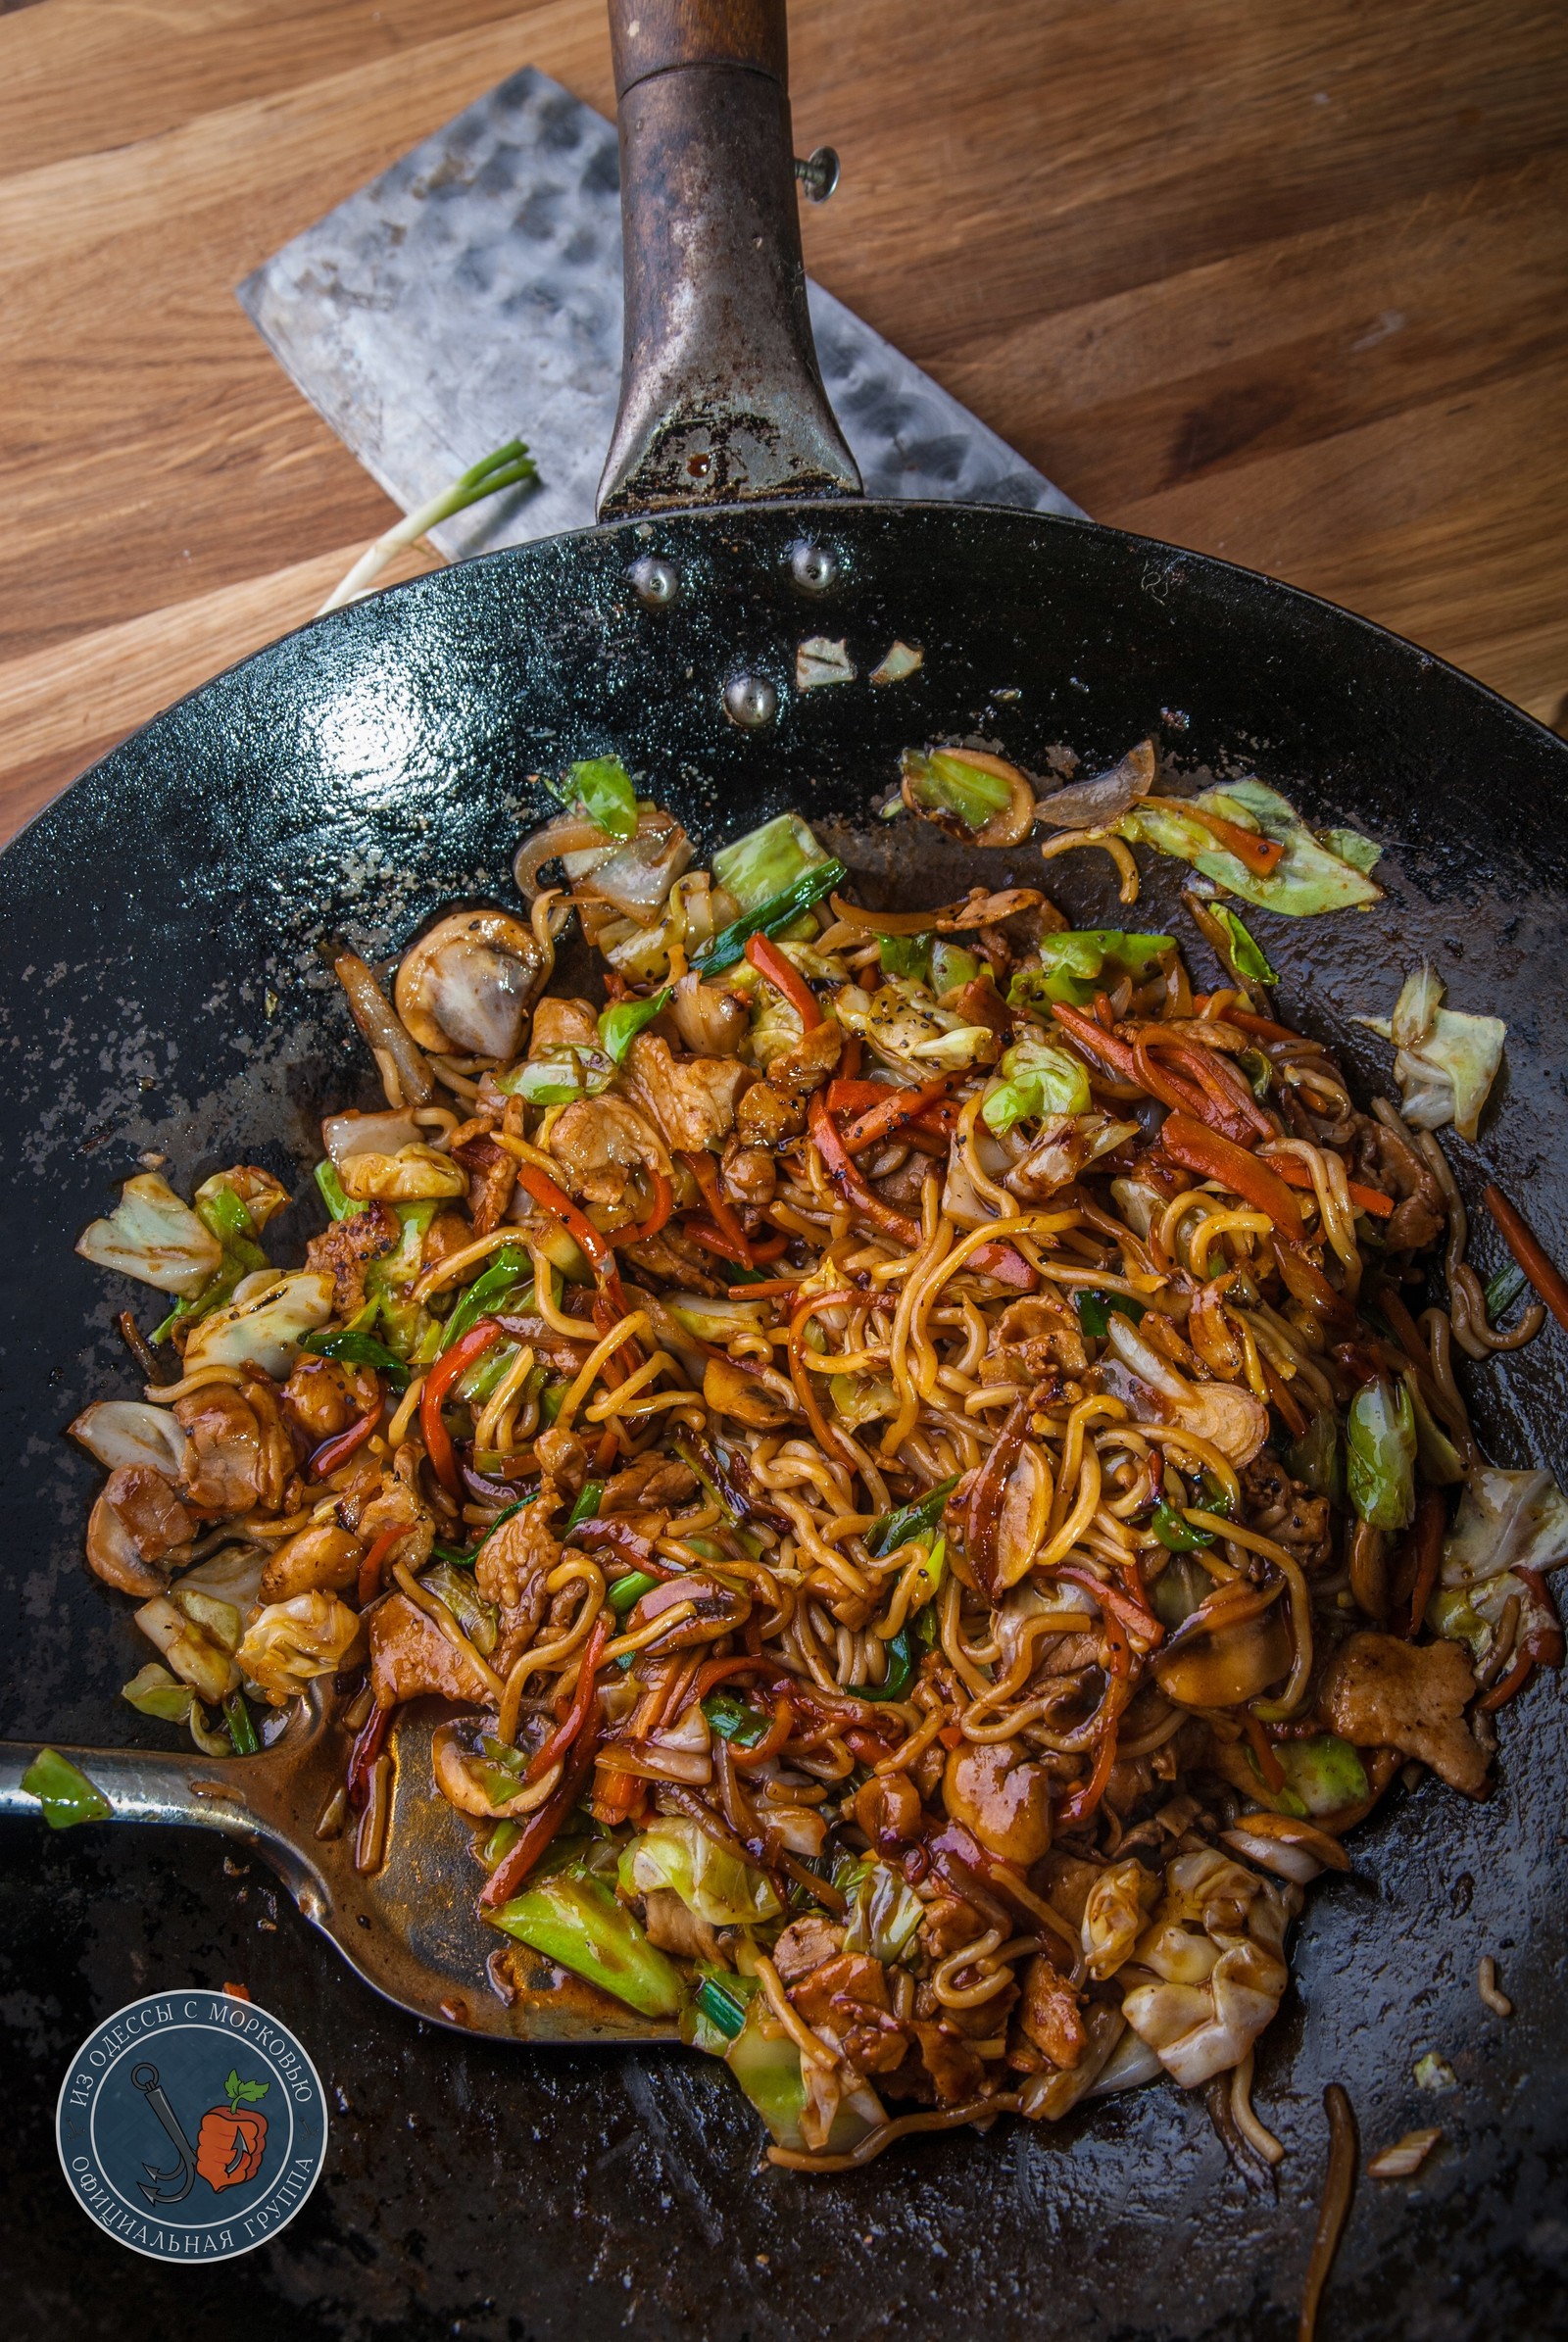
x: 916, y: 1447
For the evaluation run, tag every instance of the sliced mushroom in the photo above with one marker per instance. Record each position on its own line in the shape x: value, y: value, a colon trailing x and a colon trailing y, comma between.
x: 1025, y: 1510
x: 1217, y: 1659
x: 1225, y: 1415
x: 457, y: 1760
x: 468, y: 985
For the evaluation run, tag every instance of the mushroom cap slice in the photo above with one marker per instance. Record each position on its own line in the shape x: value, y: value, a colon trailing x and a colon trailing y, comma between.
x: 468, y: 985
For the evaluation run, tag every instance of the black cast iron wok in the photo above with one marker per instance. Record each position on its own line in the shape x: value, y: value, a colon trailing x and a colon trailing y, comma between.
x: 161, y: 992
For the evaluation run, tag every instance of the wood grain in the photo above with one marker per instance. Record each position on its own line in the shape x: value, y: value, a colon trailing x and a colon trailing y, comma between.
x: 1281, y: 280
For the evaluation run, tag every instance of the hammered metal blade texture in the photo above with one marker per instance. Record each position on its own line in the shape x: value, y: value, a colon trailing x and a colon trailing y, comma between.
x: 471, y: 294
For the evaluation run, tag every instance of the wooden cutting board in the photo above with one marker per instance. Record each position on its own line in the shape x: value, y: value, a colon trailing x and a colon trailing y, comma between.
x: 1284, y: 280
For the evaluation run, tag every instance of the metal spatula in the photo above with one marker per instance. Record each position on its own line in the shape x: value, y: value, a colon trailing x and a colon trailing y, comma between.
x: 409, y: 1927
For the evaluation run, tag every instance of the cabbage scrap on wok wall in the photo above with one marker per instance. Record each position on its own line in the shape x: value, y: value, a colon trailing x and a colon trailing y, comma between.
x: 917, y: 1448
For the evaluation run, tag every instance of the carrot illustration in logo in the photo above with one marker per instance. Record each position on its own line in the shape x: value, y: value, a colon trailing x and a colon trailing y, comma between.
x: 232, y: 2138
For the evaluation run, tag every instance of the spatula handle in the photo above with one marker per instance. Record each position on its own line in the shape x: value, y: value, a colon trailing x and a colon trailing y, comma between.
x: 243, y: 1799
x: 721, y: 399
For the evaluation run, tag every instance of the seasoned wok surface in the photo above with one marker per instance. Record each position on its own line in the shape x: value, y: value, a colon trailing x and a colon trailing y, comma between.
x: 362, y: 775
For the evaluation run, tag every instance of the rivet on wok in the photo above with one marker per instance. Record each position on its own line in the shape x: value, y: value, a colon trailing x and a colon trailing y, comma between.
x: 655, y: 582
x: 750, y: 701
x: 815, y: 570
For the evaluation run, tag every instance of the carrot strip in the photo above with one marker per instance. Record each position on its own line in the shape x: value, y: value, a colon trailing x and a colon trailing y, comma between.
x: 1522, y: 1243
x: 1296, y: 1174
x: 1262, y: 855
x: 1269, y: 1764
x: 374, y: 1562
x: 704, y: 1171
x: 891, y: 1111
x: 1431, y: 1520
x: 1213, y: 1156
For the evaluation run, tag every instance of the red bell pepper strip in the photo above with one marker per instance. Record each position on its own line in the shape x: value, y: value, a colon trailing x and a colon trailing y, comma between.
x: 450, y: 1368
x: 542, y: 1828
x: 557, y: 1743
x: 584, y: 1235
x: 367, y: 1748
x: 659, y: 1212
x: 800, y: 1375
x: 997, y: 1260
x: 852, y: 1097
x: 704, y: 1171
x: 1521, y: 1240
x: 341, y: 1446
x: 1213, y: 1156
x: 374, y: 1562
x: 786, y: 979
x: 1269, y: 1764
x: 1122, y: 1606
x: 713, y: 1239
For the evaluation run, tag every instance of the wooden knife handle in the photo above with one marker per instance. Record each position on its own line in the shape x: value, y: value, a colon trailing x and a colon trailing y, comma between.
x: 656, y: 36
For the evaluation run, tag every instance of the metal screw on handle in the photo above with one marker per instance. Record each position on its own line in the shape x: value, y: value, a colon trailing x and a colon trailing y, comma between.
x: 819, y: 175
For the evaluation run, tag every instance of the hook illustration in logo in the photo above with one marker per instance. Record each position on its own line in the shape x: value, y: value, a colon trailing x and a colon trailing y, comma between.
x: 159, y: 2187
x: 229, y: 2145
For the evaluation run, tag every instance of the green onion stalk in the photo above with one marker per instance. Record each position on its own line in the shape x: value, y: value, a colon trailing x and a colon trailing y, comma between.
x: 508, y: 466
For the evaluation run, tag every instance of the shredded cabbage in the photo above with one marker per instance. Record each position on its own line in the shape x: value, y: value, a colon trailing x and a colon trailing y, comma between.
x: 1446, y: 1061
x: 1036, y: 1080
x: 709, y: 1880
x: 1080, y: 961
x: 289, y: 1643
x: 152, y: 1236
x: 1309, y: 877
x: 266, y: 1329
x: 1507, y: 1520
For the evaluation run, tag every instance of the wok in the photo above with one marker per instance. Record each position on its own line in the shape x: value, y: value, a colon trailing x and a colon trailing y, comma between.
x: 161, y: 992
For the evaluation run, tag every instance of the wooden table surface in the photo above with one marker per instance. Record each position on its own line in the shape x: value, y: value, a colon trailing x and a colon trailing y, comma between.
x: 1281, y: 279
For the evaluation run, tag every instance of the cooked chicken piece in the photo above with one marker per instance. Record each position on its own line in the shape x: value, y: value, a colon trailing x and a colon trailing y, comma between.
x: 492, y: 1176
x: 766, y: 1118
x: 1047, y: 2013
x: 563, y: 1460
x: 749, y: 1172
x: 848, y: 1997
x: 322, y: 1396
x: 1384, y: 1693
x: 674, y: 1928
x: 1034, y: 1337
x: 321, y: 1559
x: 563, y: 1025
x: 603, y: 1144
x: 674, y: 1260
x: 345, y: 1250
x: 1283, y: 1508
x: 241, y: 1457
x: 447, y: 1232
x: 653, y: 1481
x: 951, y: 2063
x: 136, y: 1525
x: 993, y: 1790
x: 399, y: 1507
x: 691, y: 1099
x: 806, y: 1066
x: 949, y: 1921
x: 518, y: 1550
x: 409, y: 1657
x: 805, y: 1944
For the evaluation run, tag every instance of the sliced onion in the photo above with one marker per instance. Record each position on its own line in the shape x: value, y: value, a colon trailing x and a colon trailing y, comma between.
x: 344, y: 1135
x: 129, y: 1430
x: 637, y: 877
x: 383, y: 1029
x: 568, y: 833
x: 1095, y: 804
